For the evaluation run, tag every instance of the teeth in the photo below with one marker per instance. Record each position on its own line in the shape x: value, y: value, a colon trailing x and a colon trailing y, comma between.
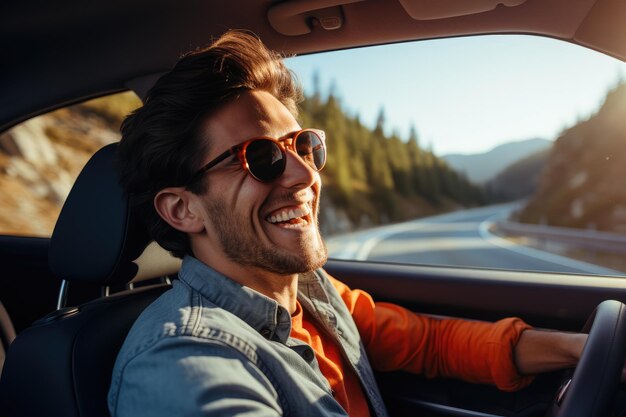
x: 286, y: 215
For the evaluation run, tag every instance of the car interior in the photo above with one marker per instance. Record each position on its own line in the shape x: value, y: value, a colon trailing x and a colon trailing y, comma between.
x: 68, y: 301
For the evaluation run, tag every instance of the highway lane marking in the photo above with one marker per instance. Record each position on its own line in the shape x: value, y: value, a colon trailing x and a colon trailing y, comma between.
x: 359, y: 245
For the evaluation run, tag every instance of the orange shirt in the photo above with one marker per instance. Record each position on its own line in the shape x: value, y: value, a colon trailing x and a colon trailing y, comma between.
x: 396, y: 338
x: 344, y: 382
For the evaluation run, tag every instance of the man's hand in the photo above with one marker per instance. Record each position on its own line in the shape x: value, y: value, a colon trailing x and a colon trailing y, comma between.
x: 543, y: 351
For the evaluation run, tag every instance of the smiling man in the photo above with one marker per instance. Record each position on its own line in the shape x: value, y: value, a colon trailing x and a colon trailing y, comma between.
x: 261, y: 231
x: 227, y: 179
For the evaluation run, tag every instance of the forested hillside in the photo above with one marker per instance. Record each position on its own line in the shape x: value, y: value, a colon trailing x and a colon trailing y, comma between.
x: 518, y: 180
x: 373, y: 178
x: 370, y: 178
x: 583, y: 181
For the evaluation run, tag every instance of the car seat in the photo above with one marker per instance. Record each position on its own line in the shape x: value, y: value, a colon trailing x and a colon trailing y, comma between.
x: 7, y: 333
x: 62, y: 364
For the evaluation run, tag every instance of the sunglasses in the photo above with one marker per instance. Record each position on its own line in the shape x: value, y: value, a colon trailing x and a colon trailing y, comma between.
x: 265, y: 158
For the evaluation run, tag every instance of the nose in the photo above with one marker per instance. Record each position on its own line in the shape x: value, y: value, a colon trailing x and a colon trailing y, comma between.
x: 297, y: 173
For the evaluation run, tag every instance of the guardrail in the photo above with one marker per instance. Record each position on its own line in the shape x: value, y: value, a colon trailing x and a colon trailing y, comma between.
x: 581, y: 238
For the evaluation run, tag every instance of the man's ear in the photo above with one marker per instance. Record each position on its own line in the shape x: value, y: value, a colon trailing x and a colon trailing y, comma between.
x: 177, y: 206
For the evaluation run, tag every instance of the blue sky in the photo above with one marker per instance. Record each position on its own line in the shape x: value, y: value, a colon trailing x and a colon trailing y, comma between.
x: 467, y: 95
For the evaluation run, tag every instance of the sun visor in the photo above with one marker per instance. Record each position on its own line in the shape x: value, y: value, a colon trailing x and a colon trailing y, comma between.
x: 442, y: 9
x: 294, y: 18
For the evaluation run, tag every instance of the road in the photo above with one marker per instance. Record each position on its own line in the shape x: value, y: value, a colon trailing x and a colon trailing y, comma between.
x: 460, y: 238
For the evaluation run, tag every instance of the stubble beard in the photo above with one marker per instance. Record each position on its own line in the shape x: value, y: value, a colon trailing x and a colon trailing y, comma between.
x: 246, y: 249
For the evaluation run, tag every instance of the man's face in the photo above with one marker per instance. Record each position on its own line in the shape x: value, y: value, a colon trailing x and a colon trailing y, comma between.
x: 244, y: 216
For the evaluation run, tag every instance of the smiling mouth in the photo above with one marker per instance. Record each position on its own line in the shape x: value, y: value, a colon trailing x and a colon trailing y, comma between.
x: 291, y: 217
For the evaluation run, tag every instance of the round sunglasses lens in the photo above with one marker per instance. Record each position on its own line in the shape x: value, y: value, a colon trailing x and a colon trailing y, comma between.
x: 266, y: 161
x: 311, y: 149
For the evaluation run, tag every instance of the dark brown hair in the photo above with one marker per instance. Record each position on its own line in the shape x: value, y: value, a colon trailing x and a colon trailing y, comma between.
x: 162, y: 142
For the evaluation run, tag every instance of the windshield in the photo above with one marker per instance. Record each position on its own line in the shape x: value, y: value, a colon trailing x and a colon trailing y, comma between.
x: 489, y: 152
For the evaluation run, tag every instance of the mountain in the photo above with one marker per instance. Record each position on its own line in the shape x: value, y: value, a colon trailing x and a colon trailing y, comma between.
x: 582, y: 184
x: 482, y: 167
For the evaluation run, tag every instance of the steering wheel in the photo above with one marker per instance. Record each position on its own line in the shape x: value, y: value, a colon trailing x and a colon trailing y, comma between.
x: 592, y: 387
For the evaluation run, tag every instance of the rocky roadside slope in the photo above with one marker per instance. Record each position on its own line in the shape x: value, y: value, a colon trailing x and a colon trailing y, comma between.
x: 41, y: 158
x: 583, y: 183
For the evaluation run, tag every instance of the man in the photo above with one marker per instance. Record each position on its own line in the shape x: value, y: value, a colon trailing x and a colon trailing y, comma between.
x: 227, y: 179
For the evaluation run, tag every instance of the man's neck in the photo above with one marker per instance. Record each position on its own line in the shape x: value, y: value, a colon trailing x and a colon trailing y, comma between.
x: 285, y: 294
x: 282, y: 288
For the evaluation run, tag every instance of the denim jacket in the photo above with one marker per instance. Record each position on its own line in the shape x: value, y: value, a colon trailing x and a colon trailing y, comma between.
x: 210, y: 346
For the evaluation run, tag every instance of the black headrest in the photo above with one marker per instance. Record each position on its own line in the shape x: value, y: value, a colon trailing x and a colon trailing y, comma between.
x: 96, y: 238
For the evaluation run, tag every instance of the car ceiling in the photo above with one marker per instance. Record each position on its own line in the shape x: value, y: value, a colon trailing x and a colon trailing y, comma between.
x: 56, y: 53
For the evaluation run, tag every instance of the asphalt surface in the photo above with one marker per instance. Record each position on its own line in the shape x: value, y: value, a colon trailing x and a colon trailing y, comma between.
x: 460, y: 238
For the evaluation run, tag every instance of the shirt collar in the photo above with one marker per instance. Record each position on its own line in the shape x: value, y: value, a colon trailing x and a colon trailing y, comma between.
x: 262, y: 313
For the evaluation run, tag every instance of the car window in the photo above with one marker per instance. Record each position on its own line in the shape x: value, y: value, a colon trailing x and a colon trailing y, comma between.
x: 489, y: 152
x: 40, y: 159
